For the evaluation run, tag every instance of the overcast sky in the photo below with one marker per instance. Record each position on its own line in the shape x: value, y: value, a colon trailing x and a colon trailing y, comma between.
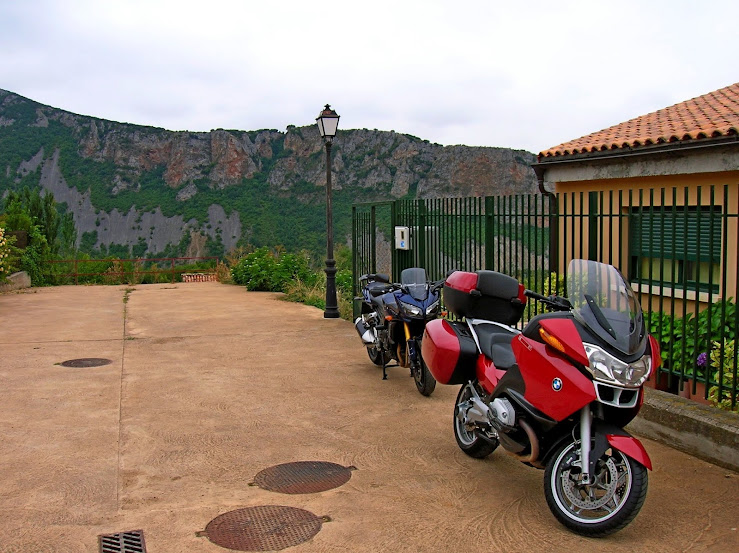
x: 518, y: 74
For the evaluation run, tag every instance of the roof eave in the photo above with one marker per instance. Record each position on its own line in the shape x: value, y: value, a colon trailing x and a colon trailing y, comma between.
x: 628, y: 152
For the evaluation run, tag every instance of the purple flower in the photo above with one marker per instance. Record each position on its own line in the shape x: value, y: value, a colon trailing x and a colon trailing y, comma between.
x: 702, y: 360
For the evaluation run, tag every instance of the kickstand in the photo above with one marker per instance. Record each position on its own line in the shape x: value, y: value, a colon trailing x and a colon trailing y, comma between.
x: 384, y: 365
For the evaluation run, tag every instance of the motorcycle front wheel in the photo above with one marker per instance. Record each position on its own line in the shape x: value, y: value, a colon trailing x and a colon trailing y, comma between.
x: 603, y: 507
x: 467, y: 438
x: 425, y: 381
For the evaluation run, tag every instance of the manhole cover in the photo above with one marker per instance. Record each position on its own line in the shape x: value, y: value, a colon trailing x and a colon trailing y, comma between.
x: 264, y: 528
x: 86, y: 362
x: 303, y: 477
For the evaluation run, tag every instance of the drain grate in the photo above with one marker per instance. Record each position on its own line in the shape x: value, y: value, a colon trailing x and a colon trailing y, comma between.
x: 86, y: 362
x: 303, y: 477
x: 122, y: 542
x: 263, y: 528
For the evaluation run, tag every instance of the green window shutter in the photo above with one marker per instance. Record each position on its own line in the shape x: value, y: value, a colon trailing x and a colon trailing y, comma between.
x: 668, y: 233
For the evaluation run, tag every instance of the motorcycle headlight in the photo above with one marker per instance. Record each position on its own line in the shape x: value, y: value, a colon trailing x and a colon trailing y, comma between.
x: 433, y: 309
x: 410, y: 309
x: 606, y: 368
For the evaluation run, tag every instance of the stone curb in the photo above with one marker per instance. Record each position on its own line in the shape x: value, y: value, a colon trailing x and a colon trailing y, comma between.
x: 699, y: 430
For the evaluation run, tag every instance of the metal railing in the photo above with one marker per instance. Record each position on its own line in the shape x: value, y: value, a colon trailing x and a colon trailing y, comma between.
x: 127, y: 271
x: 677, y: 247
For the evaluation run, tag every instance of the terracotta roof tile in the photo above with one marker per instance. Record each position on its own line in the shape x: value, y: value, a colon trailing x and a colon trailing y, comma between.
x: 712, y: 115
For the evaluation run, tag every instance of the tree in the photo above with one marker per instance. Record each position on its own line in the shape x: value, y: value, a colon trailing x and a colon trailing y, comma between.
x: 28, y: 207
x: 67, y: 234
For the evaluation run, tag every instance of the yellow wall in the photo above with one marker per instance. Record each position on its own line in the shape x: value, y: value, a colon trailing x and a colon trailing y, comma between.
x: 644, y: 191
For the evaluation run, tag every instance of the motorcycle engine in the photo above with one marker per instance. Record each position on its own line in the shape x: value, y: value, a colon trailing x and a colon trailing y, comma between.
x: 503, y: 411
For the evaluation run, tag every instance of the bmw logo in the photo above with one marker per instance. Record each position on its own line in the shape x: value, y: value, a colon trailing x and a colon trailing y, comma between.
x: 557, y: 384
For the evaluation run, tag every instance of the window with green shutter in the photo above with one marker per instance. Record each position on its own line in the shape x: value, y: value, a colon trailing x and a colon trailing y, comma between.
x: 676, y: 246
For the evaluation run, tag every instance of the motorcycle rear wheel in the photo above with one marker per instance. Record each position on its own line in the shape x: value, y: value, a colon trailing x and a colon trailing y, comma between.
x: 604, y: 507
x: 467, y: 439
x: 376, y: 356
x: 425, y: 381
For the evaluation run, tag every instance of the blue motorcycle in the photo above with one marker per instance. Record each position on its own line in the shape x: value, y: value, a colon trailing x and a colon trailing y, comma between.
x: 393, y: 319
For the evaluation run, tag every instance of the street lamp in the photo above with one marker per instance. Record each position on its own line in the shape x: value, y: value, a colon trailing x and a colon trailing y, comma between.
x: 328, y: 121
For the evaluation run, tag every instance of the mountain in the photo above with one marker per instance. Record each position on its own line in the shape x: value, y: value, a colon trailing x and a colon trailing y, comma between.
x: 163, y: 192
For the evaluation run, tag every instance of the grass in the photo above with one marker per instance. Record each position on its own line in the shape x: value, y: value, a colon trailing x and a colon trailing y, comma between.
x: 315, y: 295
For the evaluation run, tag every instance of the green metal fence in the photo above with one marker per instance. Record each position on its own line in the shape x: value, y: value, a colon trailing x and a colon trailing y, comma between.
x: 678, y: 247
x: 508, y: 234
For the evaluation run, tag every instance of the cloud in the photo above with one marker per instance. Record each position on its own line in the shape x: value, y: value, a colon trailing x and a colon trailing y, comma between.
x: 526, y: 75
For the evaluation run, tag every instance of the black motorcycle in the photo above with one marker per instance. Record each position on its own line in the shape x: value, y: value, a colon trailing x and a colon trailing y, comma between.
x: 393, y: 319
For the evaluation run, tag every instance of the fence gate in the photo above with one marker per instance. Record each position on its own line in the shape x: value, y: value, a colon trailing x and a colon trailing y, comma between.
x: 371, y: 240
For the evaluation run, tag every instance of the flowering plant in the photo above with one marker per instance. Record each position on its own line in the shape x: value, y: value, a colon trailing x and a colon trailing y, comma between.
x: 5, y: 245
x: 9, y: 255
x: 724, y: 361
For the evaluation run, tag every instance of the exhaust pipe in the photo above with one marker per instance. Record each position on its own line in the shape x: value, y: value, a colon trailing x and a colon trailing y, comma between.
x: 365, y: 331
x: 533, y: 457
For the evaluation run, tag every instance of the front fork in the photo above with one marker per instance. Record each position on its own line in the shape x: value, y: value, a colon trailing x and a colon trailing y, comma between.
x: 412, y: 351
x: 605, y: 435
x: 586, y: 430
x: 412, y: 348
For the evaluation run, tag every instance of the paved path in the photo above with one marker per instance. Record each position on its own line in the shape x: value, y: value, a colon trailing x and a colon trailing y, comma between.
x: 210, y: 384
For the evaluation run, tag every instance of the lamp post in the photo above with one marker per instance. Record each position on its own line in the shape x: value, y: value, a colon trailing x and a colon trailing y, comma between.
x: 328, y: 122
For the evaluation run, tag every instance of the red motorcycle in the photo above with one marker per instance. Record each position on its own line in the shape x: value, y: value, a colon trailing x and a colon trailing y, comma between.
x: 558, y: 394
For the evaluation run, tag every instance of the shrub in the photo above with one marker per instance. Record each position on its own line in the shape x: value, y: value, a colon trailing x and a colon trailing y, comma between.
x: 553, y: 285
x: 292, y: 273
x: 291, y: 266
x: 272, y: 272
x: 344, y: 282
x: 223, y: 274
x: 725, y: 366
x: 255, y: 270
x: 684, y: 340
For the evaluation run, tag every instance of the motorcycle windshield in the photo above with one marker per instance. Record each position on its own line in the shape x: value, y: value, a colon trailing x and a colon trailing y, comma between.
x: 604, y: 302
x: 414, y: 279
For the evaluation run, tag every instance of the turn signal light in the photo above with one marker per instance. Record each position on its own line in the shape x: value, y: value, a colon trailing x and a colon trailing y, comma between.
x: 551, y: 340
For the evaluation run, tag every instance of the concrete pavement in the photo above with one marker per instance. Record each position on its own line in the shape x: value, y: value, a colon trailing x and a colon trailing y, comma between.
x: 210, y: 384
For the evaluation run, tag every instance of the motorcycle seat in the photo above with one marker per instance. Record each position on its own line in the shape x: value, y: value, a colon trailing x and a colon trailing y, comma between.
x: 495, y: 343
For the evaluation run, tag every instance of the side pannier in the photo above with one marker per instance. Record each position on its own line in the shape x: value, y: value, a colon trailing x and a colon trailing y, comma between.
x: 449, y: 351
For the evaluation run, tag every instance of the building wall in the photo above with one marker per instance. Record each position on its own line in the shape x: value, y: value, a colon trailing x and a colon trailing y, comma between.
x: 615, y: 199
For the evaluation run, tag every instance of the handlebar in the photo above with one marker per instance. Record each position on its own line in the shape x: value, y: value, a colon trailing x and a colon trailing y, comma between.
x: 385, y: 279
x: 555, y: 303
x: 377, y: 277
x: 434, y: 286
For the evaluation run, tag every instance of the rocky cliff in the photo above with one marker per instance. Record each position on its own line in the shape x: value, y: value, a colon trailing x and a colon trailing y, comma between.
x: 148, y: 187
